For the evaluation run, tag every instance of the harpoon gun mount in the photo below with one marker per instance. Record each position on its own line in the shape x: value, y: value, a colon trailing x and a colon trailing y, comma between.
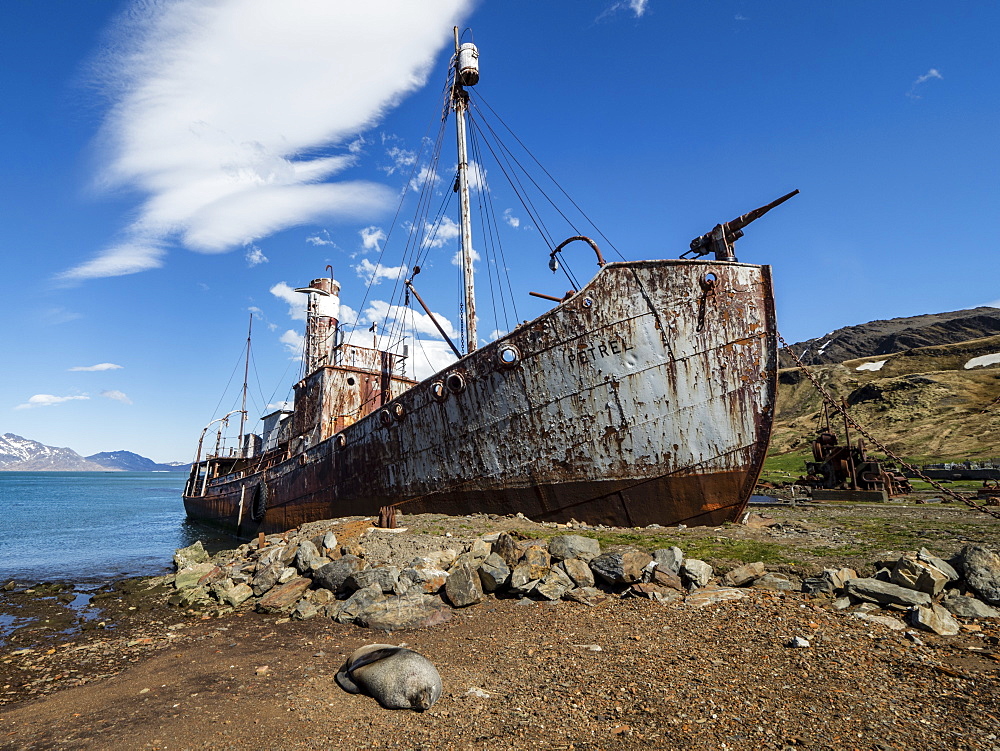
x: 722, y: 239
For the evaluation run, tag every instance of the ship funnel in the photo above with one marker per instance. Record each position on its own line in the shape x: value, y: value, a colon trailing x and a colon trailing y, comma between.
x: 322, y: 314
x: 468, y: 64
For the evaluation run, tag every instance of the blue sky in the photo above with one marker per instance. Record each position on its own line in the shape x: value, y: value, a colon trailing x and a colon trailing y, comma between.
x: 158, y: 152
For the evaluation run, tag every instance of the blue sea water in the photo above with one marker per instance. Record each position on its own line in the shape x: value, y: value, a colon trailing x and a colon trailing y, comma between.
x: 93, y: 526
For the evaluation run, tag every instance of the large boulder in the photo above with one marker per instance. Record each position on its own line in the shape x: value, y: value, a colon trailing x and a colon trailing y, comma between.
x: 670, y: 559
x: 189, y: 556
x: 506, y: 547
x: 536, y: 555
x: 743, y: 575
x: 407, y: 611
x: 696, y: 573
x: 282, y: 599
x: 554, y: 584
x: 968, y: 607
x: 934, y: 618
x: 885, y: 593
x: 358, y: 603
x: 425, y: 579
x: 982, y: 572
x: 192, y: 576
x: 333, y: 575
x: 307, y: 557
x: 939, y: 563
x: 578, y: 570
x: 387, y: 577
x: 562, y: 547
x: 494, y: 573
x: 620, y: 568
x: 463, y: 587
x: 525, y: 576
x: 913, y: 573
x: 267, y: 577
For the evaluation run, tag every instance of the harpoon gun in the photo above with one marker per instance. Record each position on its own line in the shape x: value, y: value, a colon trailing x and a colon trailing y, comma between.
x: 722, y: 239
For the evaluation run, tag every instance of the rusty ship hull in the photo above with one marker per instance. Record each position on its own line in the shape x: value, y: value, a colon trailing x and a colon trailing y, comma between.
x: 645, y: 398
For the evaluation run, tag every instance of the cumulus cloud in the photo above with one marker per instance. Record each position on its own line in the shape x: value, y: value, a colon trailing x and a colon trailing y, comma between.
x: 232, y: 119
x: 296, y: 300
x: 928, y: 76
x: 294, y: 342
x: 254, y: 256
x: 389, y: 315
x: 118, y: 396
x: 95, y: 368
x: 48, y: 400
x: 513, y: 221
x: 445, y: 231
x: 375, y: 273
x: 401, y: 159
x: 456, y: 259
x: 372, y: 238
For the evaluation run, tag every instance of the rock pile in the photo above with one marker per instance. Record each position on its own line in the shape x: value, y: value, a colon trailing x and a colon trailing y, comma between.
x: 388, y: 582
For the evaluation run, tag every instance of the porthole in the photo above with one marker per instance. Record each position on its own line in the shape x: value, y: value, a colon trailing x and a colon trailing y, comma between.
x: 587, y: 302
x: 350, y: 381
x: 386, y: 417
x: 508, y: 356
x: 438, y: 391
x: 708, y: 281
x: 339, y: 442
x: 399, y: 411
x: 456, y: 383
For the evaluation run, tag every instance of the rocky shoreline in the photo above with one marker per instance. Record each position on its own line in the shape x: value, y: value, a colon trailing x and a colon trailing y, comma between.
x: 546, y: 637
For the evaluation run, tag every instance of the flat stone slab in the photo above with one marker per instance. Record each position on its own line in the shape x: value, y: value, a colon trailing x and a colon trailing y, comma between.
x: 283, y: 598
x: 885, y: 593
x: 705, y: 597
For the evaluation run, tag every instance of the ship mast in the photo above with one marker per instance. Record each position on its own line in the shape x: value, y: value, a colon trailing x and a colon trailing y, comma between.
x: 466, y: 74
x: 246, y: 375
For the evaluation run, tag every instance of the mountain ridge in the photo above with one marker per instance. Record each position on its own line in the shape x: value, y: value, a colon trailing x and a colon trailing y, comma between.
x: 19, y: 454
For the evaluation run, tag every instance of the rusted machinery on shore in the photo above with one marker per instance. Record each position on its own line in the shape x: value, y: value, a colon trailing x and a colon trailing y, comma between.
x: 848, y: 467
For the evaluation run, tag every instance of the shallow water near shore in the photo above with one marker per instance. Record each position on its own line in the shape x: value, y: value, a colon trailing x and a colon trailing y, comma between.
x: 93, y: 526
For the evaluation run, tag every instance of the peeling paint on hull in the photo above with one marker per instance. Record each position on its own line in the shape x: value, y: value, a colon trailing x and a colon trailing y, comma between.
x: 645, y: 398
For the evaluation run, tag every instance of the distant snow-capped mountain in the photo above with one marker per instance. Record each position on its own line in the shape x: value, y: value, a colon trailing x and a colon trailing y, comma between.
x: 24, y: 455
x: 19, y: 454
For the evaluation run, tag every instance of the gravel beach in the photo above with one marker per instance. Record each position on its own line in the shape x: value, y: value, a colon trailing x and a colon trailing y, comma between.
x: 518, y: 673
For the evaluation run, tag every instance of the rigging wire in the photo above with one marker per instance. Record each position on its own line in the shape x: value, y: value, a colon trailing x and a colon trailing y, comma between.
x: 547, y: 174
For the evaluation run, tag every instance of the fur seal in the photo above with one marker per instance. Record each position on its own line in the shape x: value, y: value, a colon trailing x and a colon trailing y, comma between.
x: 396, y: 677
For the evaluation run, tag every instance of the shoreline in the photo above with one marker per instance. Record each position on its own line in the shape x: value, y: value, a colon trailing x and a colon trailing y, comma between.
x: 159, y: 677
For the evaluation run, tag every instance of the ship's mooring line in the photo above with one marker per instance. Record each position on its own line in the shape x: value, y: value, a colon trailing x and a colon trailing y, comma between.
x: 828, y: 398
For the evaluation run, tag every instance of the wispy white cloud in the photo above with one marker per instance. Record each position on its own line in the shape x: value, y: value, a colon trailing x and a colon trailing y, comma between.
x: 48, y: 400
x: 400, y: 159
x: 740, y: 17
x: 254, y: 256
x: 637, y: 7
x: 116, y: 395
x: 513, y: 221
x: 994, y: 304
x: 130, y: 257
x: 321, y: 238
x: 96, y: 368
x: 376, y: 273
x: 296, y: 300
x: 216, y: 121
x: 929, y: 75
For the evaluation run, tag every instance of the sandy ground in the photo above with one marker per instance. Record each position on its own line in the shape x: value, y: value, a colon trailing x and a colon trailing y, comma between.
x: 519, y: 674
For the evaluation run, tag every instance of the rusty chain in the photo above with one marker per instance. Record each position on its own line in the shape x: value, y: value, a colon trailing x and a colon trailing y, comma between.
x: 828, y: 398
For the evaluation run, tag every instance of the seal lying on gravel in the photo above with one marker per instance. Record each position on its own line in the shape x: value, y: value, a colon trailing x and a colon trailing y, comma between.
x: 396, y: 677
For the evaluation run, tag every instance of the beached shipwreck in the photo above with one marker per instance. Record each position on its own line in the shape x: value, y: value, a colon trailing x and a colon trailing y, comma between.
x: 646, y: 396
